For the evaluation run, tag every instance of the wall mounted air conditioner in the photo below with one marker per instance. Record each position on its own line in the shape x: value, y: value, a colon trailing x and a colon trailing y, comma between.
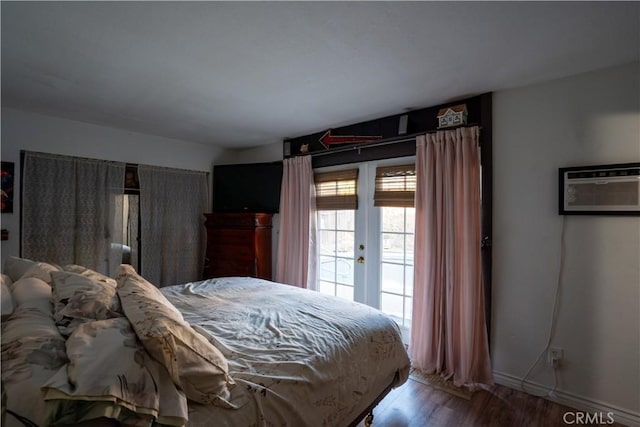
x: 600, y: 190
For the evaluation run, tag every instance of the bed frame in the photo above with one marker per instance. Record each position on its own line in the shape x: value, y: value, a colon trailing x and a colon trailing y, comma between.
x: 367, y: 414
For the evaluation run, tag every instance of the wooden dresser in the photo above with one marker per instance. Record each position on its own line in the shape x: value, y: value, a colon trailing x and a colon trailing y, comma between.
x: 238, y: 244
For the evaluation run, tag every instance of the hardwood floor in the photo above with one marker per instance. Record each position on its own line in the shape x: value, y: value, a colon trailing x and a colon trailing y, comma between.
x: 417, y: 405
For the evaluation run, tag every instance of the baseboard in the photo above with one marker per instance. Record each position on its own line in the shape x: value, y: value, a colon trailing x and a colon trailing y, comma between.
x: 581, y: 403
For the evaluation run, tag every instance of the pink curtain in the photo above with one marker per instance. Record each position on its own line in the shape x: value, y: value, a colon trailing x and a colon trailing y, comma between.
x: 448, y: 332
x: 296, y: 242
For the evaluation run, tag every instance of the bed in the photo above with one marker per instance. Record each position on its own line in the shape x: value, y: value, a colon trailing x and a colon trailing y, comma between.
x: 81, y: 348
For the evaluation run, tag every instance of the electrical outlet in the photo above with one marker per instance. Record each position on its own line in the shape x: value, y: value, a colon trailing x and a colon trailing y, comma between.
x: 555, y: 356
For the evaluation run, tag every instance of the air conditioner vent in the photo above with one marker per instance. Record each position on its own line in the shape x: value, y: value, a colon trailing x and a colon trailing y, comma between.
x: 612, y: 189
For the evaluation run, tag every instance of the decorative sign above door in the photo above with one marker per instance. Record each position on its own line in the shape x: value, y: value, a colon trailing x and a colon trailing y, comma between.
x: 342, y: 145
x: 327, y: 140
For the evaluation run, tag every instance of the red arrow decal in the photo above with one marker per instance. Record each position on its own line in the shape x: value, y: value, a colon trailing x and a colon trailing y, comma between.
x: 327, y: 139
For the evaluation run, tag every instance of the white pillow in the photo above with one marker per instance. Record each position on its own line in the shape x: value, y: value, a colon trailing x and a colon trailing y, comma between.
x: 19, y: 268
x: 29, y: 289
x: 4, y: 278
x: 40, y: 270
x: 6, y: 299
x: 15, y: 267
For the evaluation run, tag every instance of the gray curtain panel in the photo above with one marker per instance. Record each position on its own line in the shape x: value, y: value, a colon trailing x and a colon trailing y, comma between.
x: 173, y: 236
x: 72, y: 210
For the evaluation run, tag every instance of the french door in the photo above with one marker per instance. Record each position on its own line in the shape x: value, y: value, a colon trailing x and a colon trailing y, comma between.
x: 366, y: 254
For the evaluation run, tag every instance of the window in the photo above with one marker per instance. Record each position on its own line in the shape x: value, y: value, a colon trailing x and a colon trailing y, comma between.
x: 395, y: 187
x: 336, y: 202
x: 336, y: 235
x: 396, y: 266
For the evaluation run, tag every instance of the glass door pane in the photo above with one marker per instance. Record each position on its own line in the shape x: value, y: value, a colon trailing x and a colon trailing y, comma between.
x: 336, y: 243
x: 396, y: 263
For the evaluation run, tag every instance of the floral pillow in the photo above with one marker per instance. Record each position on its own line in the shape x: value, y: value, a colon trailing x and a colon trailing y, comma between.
x: 84, y: 271
x: 32, y: 351
x: 194, y: 364
x: 78, y: 298
x: 126, y: 274
x: 110, y: 375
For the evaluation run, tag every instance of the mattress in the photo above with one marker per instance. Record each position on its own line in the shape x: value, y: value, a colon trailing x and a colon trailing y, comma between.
x: 298, y: 357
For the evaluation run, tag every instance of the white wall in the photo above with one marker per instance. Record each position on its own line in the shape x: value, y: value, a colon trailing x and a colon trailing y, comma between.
x: 265, y: 153
x: 28, y: 131
x: 587, y: 119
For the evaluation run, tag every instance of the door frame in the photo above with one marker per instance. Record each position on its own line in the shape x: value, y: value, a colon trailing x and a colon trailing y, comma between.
x: 367, y: 229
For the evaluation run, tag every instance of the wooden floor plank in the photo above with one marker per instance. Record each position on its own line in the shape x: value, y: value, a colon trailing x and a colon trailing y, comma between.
x: 415, y: 404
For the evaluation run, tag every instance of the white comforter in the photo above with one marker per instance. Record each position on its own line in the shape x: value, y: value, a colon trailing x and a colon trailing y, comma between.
x: 298, y: 357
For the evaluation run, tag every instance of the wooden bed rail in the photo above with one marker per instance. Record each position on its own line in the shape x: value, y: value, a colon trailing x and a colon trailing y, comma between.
x: 367, y: 414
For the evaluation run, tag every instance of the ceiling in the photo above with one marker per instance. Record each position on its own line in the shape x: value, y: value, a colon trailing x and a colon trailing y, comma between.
x: 245, y: 74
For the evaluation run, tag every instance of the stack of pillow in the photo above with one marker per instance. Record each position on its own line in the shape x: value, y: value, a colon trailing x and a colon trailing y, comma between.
x: 23, y: 281
x: 69, y: 324
x: 32, y: 347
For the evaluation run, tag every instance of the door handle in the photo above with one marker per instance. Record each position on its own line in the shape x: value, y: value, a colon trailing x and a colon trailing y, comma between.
x: 360, y: 260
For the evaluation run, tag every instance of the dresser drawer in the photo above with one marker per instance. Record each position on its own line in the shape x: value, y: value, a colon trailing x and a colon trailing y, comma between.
x: 238, y: 220
x: 231, y: 244
x: 231, y: 252
x: 222, y: 268
x: 238, y: 244
x: 226, y: 237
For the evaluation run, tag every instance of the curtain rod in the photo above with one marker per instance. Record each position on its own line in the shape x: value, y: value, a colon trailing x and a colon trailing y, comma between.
x: 387, y: 141
x: 66, y: 156
x: 70, y: 157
